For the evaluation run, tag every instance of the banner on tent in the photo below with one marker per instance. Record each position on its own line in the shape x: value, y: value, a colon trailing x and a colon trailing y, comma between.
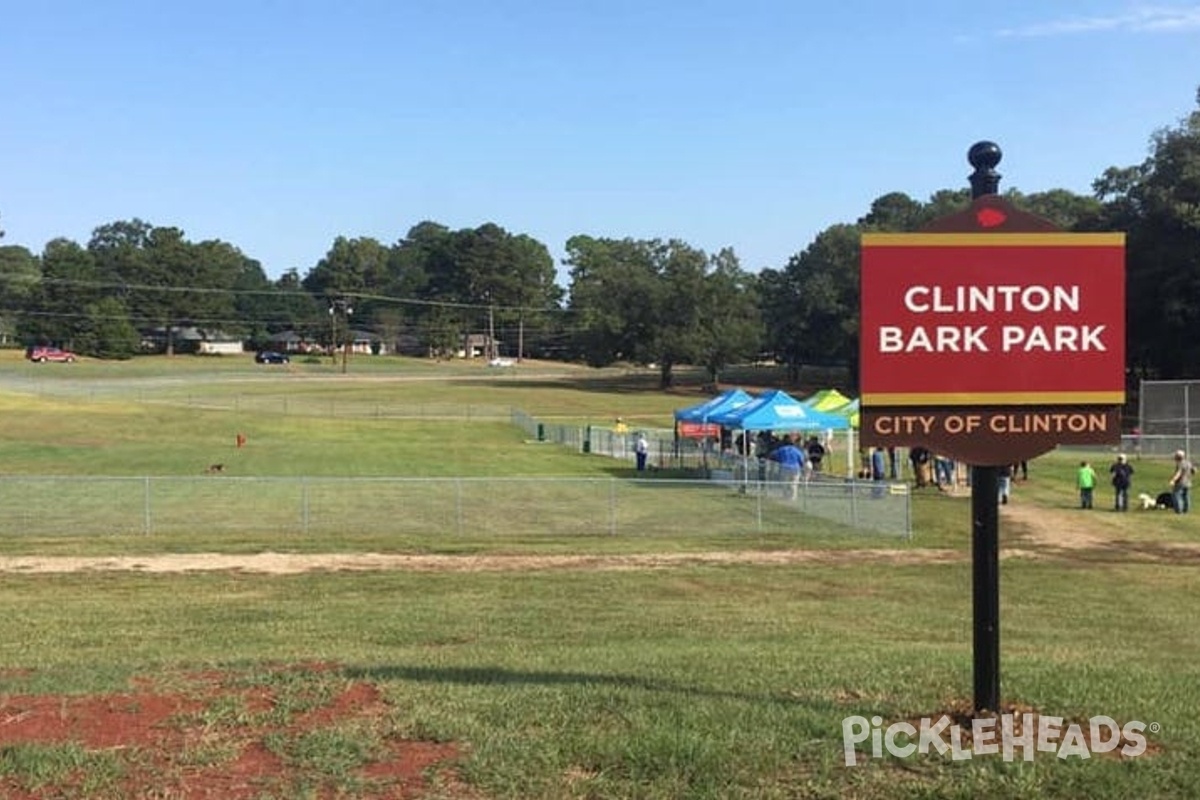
x: 699, y: 430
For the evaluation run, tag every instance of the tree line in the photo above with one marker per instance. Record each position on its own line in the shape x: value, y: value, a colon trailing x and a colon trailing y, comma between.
x: 656, y: 301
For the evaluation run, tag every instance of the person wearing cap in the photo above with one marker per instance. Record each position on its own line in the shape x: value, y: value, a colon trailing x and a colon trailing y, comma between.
x: 1181, y: 482
x: 1122, y: 479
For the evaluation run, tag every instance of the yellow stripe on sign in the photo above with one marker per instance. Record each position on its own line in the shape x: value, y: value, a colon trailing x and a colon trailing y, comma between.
x: 993, y: 240
x: 993, y: 398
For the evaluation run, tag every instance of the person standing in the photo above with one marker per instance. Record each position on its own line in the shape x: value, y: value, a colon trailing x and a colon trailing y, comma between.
x: 876, y: 467
x: 878, y: 473
x: 1181, y: 482
x: 1004, y: 482
x: 1086, y: 480
x: 791, y: 463
x: 816, y: 453
x: 920, y: 458
x: 943, y: 471
x: 1122, y: 479
x: 641, y: 449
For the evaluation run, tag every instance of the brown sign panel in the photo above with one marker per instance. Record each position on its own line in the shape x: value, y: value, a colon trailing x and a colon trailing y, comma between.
x: 992, y: 435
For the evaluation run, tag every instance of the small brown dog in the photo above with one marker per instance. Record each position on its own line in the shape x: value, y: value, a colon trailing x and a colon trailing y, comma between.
x: 215, y: 468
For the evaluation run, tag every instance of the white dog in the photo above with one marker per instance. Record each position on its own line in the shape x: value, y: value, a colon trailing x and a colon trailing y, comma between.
x: 1148, y: 502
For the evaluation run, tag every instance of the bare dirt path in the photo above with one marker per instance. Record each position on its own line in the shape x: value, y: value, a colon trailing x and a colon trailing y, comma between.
x: 1054, y: 533
x: 1027, y: 532
x: 293, y: 563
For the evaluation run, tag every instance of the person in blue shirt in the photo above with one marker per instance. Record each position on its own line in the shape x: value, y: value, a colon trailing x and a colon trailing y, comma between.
x: 791, y: 463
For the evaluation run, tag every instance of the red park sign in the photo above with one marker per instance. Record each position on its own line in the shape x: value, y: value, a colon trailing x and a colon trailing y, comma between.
x: 992, y: 345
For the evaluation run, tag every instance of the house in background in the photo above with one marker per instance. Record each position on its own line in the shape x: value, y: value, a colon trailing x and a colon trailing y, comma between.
x: 366, y: 343
x: 188, y: 339
x: 408, y: 344
x: 361, y: 343
x: 478, y: 345
x: 292, y: 342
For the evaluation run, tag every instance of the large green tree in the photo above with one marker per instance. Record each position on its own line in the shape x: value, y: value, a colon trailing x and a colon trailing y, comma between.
x: 69, y: 284
x: 106, y: 332
x: 731, y: 327
x: 1157, y: 203
x: 20, y: 274
x: 613, y: 298
x: 666, y: 303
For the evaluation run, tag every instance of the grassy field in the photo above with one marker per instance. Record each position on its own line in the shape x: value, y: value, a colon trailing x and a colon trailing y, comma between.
x: 693, y: 680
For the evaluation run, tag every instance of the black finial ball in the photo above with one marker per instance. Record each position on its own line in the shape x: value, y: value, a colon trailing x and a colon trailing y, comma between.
x: 984, y: 155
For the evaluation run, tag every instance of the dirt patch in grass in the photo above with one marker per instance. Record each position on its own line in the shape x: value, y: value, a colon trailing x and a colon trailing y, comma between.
x: 292, y: 563
x: 1060, y: 532
x: 1054, y: 529
x: 286, y: 732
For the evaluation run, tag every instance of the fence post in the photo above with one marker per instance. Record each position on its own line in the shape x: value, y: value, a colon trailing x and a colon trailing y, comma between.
x: 304, y: 506
x: 853, y: 503
x: 908, y: 515
x: 1187, y: 417
x: 612, y: 506
x: 458, y: 509
x: 759, y: 504
x: 146, y: 525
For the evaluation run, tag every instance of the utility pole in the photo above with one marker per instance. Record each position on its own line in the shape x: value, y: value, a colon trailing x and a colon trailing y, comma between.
x: 492, y: 352
x: 332, y: 333
x: 340, y: 306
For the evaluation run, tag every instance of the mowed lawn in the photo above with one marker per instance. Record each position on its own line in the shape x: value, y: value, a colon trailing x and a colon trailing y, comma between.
x: 693, y: 680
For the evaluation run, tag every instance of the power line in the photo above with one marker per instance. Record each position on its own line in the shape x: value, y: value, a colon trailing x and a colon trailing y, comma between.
x: 286, y: 294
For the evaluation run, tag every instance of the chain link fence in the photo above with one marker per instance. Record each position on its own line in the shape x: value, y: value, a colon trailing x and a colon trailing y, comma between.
x: 430, y: 507
x: 1168, y: 418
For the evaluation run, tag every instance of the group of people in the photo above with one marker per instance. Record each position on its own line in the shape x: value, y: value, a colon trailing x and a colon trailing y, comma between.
x: 796, y: 459
x: 1121, y: 476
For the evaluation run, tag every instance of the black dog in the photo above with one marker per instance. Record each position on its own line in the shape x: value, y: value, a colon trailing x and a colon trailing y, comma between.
x: 1165, y: 500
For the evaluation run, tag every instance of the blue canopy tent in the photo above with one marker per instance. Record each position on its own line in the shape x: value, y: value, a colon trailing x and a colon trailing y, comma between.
x: 725, y: 401
x: 776, y: 410
x: 702, y: 414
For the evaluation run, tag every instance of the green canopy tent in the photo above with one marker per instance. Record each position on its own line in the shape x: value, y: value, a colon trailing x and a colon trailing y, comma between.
x: 826, y: 400
x: 831, y: 401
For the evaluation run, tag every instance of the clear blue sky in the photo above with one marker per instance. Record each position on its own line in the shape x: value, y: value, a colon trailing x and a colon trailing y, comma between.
x: 278, y: 125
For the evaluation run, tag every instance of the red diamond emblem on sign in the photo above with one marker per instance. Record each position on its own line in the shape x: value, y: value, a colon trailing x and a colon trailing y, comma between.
x: 990, y: 217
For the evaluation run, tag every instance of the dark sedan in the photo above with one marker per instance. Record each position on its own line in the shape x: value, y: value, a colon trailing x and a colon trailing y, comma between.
x: 271, y: 357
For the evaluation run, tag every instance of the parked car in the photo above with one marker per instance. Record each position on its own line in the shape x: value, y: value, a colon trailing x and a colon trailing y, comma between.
x: 41, y: 355
x: 271, y: 357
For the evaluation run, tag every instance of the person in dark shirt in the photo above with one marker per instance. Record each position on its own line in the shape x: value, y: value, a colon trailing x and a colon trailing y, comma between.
x: 816, y: 452
x: 1122, y: 478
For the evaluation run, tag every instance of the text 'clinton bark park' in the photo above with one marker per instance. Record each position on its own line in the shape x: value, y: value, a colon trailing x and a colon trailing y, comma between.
x: 985, y: 338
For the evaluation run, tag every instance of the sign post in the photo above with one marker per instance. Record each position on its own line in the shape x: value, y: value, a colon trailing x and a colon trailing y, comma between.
x: 991, y: 337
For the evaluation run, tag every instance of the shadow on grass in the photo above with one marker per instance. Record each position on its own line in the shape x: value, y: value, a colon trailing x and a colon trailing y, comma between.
x: 605, y: 384
x: 500, y: 676
x: 687, y: 381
